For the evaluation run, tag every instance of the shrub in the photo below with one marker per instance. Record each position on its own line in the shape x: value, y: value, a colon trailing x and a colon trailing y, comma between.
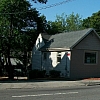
x: 36, y: 74
x: 54, y: 74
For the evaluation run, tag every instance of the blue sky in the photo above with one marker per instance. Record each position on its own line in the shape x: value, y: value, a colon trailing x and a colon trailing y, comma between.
x: 84, y: 8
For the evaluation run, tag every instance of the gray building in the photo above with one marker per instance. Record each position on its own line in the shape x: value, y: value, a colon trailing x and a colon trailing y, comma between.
x: 76, y: 54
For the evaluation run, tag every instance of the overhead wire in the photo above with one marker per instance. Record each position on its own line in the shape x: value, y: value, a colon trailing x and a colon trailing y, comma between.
x: 53, y: 5
x: 40, y: 8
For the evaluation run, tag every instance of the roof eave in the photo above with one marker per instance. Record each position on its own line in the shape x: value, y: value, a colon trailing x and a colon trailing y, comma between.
x: 56, y: 49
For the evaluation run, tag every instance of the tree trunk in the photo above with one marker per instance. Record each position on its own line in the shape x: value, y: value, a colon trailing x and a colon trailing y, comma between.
x: 11, y: 69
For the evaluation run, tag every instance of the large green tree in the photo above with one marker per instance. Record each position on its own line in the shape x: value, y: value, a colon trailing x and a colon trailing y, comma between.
x: 65, y: 22
x: 93, y: 22
x: 41, y: 1
x: 74, y: 22
x: 19, y: 24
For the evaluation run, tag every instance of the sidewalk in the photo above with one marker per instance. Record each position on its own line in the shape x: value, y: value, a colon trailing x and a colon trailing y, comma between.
x: 38, y: 84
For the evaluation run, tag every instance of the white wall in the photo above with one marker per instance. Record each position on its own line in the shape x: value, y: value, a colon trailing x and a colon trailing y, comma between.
x: 51, y: 63
x: 36, y: 54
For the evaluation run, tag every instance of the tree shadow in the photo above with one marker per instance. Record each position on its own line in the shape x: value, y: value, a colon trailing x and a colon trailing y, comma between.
x: 51, y: 64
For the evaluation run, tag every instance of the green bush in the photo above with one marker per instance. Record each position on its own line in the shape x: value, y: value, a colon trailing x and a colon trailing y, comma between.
x: 36, y: 74
x: 54, y: 74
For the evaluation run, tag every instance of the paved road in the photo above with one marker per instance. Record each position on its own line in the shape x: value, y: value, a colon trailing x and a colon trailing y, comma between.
x: 64, y: 93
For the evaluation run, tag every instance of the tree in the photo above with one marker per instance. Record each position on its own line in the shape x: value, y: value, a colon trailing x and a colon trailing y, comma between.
x: 93, y: 22
x: 41, y: 1
x: 12, y: 23
x: 74, y: 22
x: 19, y: 23
x: 65, y: 23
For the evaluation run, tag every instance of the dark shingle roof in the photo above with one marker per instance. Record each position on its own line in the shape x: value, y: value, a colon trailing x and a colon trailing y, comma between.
x: 67, y: 39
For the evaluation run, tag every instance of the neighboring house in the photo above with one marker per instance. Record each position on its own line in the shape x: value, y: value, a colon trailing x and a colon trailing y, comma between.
x: 76, y: 54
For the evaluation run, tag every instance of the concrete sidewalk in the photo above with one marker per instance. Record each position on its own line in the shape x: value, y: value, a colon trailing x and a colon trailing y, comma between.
x: 38, y: 84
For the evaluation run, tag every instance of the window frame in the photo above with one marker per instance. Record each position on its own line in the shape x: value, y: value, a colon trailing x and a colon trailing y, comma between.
x: 96, y: 56
x: 58, y: 57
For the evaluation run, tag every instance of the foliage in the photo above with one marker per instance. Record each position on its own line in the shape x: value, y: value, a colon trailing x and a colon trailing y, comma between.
x: 74, y: 22
x: 54, y: 27
x: 41, y: 1
x: 93, y: 22
x: 19, y: 27
x: 65, y: 22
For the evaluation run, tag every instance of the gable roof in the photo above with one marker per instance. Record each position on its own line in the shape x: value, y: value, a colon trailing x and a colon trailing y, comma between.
x: 66, y: 40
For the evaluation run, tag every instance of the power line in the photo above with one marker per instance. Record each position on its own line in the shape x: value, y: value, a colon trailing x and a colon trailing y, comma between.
x: 53, y: 5
x: 40, y: 8
x: 14, y: 13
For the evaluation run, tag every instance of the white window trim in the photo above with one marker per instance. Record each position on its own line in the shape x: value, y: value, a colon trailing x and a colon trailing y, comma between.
x: 60, y: 56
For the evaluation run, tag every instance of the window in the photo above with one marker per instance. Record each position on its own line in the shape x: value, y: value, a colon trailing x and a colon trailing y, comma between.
x: 90, y: 57
x: 58, y: 56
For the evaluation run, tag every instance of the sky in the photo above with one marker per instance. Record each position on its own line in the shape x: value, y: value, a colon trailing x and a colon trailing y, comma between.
x: 85, y: 8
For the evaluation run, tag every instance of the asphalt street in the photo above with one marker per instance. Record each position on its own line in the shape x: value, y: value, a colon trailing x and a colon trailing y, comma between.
x: 64, y: 93
x: 50, y: 90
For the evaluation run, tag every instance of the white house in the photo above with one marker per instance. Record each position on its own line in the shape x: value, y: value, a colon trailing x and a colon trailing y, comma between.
x: 76, y: 54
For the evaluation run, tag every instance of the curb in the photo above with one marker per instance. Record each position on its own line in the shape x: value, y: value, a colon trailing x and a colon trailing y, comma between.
x: 46, y: 84
x: 93, y: 84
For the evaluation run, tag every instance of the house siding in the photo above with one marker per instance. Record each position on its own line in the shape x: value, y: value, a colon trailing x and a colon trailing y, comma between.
x: 36, y: 60
x: 81, y: 70
x: 91, y: 42
x: 46, y: 64
x: 72, y: 66
x: 36, y: 54
x: 52, y: 64
x: 78, y: 68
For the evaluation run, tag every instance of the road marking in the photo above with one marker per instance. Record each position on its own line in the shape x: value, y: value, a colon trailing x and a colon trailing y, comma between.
x: 22, y: 96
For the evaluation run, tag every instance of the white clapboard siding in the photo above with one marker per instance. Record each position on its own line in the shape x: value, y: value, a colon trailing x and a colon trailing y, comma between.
x: 61, y: 66
x: 46, y: 63
x: 36, y: 54
x: 36, y: 60
x: 51, y: 63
